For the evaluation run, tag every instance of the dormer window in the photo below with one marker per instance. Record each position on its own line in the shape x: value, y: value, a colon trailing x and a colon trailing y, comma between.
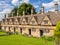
x: 18, y: 19
x: 33, y: 29
x: 24, y: 22
x: 45, y: 21
x: 12, y: 19
x: 33, y: 22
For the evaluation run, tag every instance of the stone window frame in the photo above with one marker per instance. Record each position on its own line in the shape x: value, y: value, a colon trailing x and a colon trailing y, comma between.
x: 24, y: 22
x: 47, y: 30
x: 18, y: 19
x: 45, y: 21
x: 24, y: 28
x: 34, y: 29
x: 33, y: 22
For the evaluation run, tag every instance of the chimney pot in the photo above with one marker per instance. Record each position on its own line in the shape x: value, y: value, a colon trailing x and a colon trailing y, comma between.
x: 56, y: 7
x: 17, y: 12
x: 42, y: 10
x: 23, y: 12
x: 31, y: 11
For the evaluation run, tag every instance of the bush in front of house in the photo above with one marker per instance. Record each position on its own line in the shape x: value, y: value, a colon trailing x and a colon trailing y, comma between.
x: 9, y: 33
x: 49, y: 38
x: 16, y: 33
x: 25, y: 34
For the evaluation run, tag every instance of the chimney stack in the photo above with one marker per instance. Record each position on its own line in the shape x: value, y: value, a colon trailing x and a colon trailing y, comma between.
x: 56, y: 7
x: 32, y: 11
x: 12, y: 14
x: 17, y: 12
x: 5, y: 16
x: 23, y: 12
x: 42, y: 10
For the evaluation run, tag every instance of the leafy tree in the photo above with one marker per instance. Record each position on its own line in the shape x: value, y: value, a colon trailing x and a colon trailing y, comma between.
x: 23, y: 7
x: 57, y: 33
x: 27, y: 8
x: 14, y: 11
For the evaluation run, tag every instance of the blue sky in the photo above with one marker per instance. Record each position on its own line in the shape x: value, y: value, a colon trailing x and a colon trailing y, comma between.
x: 7, y: 5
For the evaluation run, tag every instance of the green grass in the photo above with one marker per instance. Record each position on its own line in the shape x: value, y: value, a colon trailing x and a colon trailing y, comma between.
x: 22, y: 40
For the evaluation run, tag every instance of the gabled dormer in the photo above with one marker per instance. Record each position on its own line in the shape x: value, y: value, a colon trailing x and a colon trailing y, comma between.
x: 23, y: 21
x: 18, y: 20
x: 46, y: 20
x: 33, y: 21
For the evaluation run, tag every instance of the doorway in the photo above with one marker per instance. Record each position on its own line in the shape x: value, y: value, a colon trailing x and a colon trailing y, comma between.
x: 9, y: 29
x: 20, y: 30
x: 14, y: 29
x: 29, y: 31
x: 41, y: 32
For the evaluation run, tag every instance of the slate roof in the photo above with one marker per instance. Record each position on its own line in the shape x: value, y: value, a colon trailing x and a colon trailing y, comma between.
x: 53, y: 17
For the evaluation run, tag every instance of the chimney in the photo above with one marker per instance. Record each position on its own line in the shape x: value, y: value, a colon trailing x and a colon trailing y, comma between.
x: 42, y: 10
x: 17, y: 12
x: 5, y: 16
x: 56, y: 7
x: 23, y: 12
x: 32, y: 11
x: 12, y: 14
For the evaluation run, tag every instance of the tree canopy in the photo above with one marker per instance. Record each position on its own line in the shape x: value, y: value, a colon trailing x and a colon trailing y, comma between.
x: 57, y: 33
x: 14, y: 11
x: 27, y: 8
x: 23, y: 7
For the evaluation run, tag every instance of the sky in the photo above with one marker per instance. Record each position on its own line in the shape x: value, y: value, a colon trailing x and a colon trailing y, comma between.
x: 7, y: 5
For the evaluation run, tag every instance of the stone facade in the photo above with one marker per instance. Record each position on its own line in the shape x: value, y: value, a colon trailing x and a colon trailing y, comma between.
x: 37, y: 25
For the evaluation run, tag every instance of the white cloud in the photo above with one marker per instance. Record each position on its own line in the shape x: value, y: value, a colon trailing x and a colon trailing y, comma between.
x: 26, y: 1
x: 15, y: 2
x: 5, y: 8
x: 5, y: 11
x: 49, y: 6
x: 36, y: 6
x: 21, y: 2
x: 52, y: 10
x: 18, y: 2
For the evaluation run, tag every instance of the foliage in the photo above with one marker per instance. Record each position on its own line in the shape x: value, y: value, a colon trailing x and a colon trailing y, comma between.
x: 48, y: 38
x: 26, y: 7
x: 16, y: 33
x: 57, y: 33
x: 9, y: 33
x: 14, y: 11
x: 25, y: 34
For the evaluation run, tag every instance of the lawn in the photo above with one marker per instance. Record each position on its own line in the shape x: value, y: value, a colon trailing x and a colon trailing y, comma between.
x: 22, y: 40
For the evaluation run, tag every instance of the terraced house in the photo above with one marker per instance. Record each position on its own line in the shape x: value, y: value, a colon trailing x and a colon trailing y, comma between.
x: 38, y: 25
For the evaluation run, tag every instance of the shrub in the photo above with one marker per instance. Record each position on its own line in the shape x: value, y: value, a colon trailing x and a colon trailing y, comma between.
x: 9, y: 33
x: 48, y: 38
x: 25, y: 34
x: 16, y: 33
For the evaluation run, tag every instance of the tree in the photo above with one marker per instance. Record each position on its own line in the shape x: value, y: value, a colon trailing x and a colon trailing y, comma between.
x: 23, y: 7
x: 27, y: 8
x: 14, y: 11
x: 57, y: 33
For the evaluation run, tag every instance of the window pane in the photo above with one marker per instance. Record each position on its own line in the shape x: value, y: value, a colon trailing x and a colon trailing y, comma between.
x: 33, y: 29
x: 33, y: 22
x: 47, y: 31
x: 45, y: 21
